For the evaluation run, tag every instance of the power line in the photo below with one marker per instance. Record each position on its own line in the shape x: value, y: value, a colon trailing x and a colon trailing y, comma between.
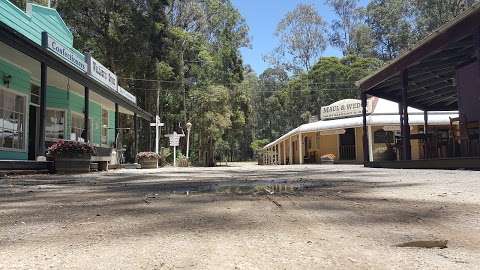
x: 259, y: 82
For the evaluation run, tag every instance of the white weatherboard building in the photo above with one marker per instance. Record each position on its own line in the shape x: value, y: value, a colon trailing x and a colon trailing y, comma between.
x: 339, y: 134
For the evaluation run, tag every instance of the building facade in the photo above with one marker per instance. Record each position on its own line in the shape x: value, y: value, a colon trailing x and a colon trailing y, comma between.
x: 339, y: 135
x: 50, y: 91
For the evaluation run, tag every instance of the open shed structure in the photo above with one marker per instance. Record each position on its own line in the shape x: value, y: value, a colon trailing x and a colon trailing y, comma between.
x: 441, y: 73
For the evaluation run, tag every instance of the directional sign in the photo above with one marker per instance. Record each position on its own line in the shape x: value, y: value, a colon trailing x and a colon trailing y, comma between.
x: 157, y: 122
x: 174, y: 142
x: 174, y: 138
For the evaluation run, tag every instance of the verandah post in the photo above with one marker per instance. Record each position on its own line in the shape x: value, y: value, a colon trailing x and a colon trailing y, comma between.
x: 43, y: 100
x: 86, y: 114
x: 117, y: 124
x: 425, y: 132
x: 407, y: 148
x: 366, y: 155
x: 135, y: 135
x: 43, y: 108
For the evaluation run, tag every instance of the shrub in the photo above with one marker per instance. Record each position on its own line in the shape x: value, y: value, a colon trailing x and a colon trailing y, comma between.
x: 148, y: 155
x: 70, y: 149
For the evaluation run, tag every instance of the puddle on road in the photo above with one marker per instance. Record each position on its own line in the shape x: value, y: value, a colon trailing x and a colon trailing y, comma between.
x: 249, y: 187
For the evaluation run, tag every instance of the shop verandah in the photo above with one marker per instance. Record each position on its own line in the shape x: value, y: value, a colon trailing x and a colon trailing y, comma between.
x: 441, y: 73
x: 54, y: 96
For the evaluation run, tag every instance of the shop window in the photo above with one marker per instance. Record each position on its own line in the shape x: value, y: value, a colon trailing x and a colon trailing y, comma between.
x: 55, y: 125
x: 382, y: 136
x: 78, y: 126
x: 12, y: 120
x: 35, y: 94
x: 104, y: 127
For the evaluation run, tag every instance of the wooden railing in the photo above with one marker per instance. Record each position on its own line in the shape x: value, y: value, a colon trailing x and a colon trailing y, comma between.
x: 347, y: 152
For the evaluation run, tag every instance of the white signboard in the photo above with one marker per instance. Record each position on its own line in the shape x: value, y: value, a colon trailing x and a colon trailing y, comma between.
x: 102, y: 74
x: 391, y: 128
x: 174, y: 138
x: 70, y: 56
x: 127, y: 94
x: 343, y: 108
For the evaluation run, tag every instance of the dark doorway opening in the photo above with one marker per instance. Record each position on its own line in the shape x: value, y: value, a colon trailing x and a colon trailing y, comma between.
x: 33, y: 118
x: 347, y: 145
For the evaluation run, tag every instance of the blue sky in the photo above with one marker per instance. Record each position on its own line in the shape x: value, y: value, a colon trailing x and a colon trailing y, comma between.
x: 262, y: 17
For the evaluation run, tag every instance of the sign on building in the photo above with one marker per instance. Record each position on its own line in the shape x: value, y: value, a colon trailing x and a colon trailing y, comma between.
x: 344, y: 108
x: 70, y: 56
x: 127, y: 94
x: 102, y: 74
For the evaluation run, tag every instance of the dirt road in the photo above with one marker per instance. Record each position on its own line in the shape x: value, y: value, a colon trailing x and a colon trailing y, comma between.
x: 310, y: 217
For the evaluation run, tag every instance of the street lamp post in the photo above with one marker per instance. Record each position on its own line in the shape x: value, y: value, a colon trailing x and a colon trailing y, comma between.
x: 189, y: 127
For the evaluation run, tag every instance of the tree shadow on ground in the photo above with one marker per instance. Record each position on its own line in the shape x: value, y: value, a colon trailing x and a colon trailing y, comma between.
x: 127, y: 204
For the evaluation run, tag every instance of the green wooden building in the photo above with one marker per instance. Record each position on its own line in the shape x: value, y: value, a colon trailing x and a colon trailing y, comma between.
x: 50, y: 91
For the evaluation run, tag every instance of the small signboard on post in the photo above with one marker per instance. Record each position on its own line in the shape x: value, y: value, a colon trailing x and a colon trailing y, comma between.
x: 174, y: 140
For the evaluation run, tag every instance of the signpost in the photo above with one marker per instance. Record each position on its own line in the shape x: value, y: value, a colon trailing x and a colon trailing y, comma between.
x: 174, y: 142
x: 157, y: 126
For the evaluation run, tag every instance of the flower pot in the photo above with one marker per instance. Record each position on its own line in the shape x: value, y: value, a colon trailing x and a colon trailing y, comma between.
x: 72, y: 165
x: 148, y: 163
x: 183, y: 163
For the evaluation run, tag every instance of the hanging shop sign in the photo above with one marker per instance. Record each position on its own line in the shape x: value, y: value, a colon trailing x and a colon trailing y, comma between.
x: 343, y: 108
x: 127, y: 94
x: 391, y: 128
x: 102, y: 74
x: 67, y: 54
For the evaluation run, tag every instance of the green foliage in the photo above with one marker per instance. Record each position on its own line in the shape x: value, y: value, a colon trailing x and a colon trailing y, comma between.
x: 302, y: 39
x: 281, y: 107
x: 257, y: 145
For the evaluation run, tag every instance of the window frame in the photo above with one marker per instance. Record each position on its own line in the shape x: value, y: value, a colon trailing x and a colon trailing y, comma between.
x: 106, y: 128
x: 90, y: 130
x: 26, y: 132
x: 48, y: 139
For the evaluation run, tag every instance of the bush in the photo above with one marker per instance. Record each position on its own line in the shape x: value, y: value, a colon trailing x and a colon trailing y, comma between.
x: 164, y: 154
x: 70, y: 149
x: 148, y: 155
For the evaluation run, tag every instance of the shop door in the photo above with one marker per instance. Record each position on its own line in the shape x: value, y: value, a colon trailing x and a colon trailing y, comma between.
x: 32, y: 132
x: 347, y: 145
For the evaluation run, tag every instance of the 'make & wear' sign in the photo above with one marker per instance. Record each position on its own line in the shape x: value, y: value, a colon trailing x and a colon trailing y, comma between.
x: 343, y: 108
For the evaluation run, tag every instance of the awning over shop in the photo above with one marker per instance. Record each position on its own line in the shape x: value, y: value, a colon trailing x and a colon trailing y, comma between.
x: 385, y: 113
x: 428, y: 71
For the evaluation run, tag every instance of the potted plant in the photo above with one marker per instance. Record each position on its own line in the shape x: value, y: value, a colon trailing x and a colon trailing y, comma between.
x: 71, y: 156
x: 183, y: 161
x: 148, y: 160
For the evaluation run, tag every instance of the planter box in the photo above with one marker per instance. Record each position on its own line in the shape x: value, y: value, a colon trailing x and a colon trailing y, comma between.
x: 148, y: 163
x: 67, y: 165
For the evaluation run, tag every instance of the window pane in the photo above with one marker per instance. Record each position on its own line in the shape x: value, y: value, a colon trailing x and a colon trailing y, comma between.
x: 77, y: 126
x: 12, y: 120
x: 8, y: 139
x: 55, y: 126
x: 21, y: 140
x: 35, y: 94
x: 19, y: 104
